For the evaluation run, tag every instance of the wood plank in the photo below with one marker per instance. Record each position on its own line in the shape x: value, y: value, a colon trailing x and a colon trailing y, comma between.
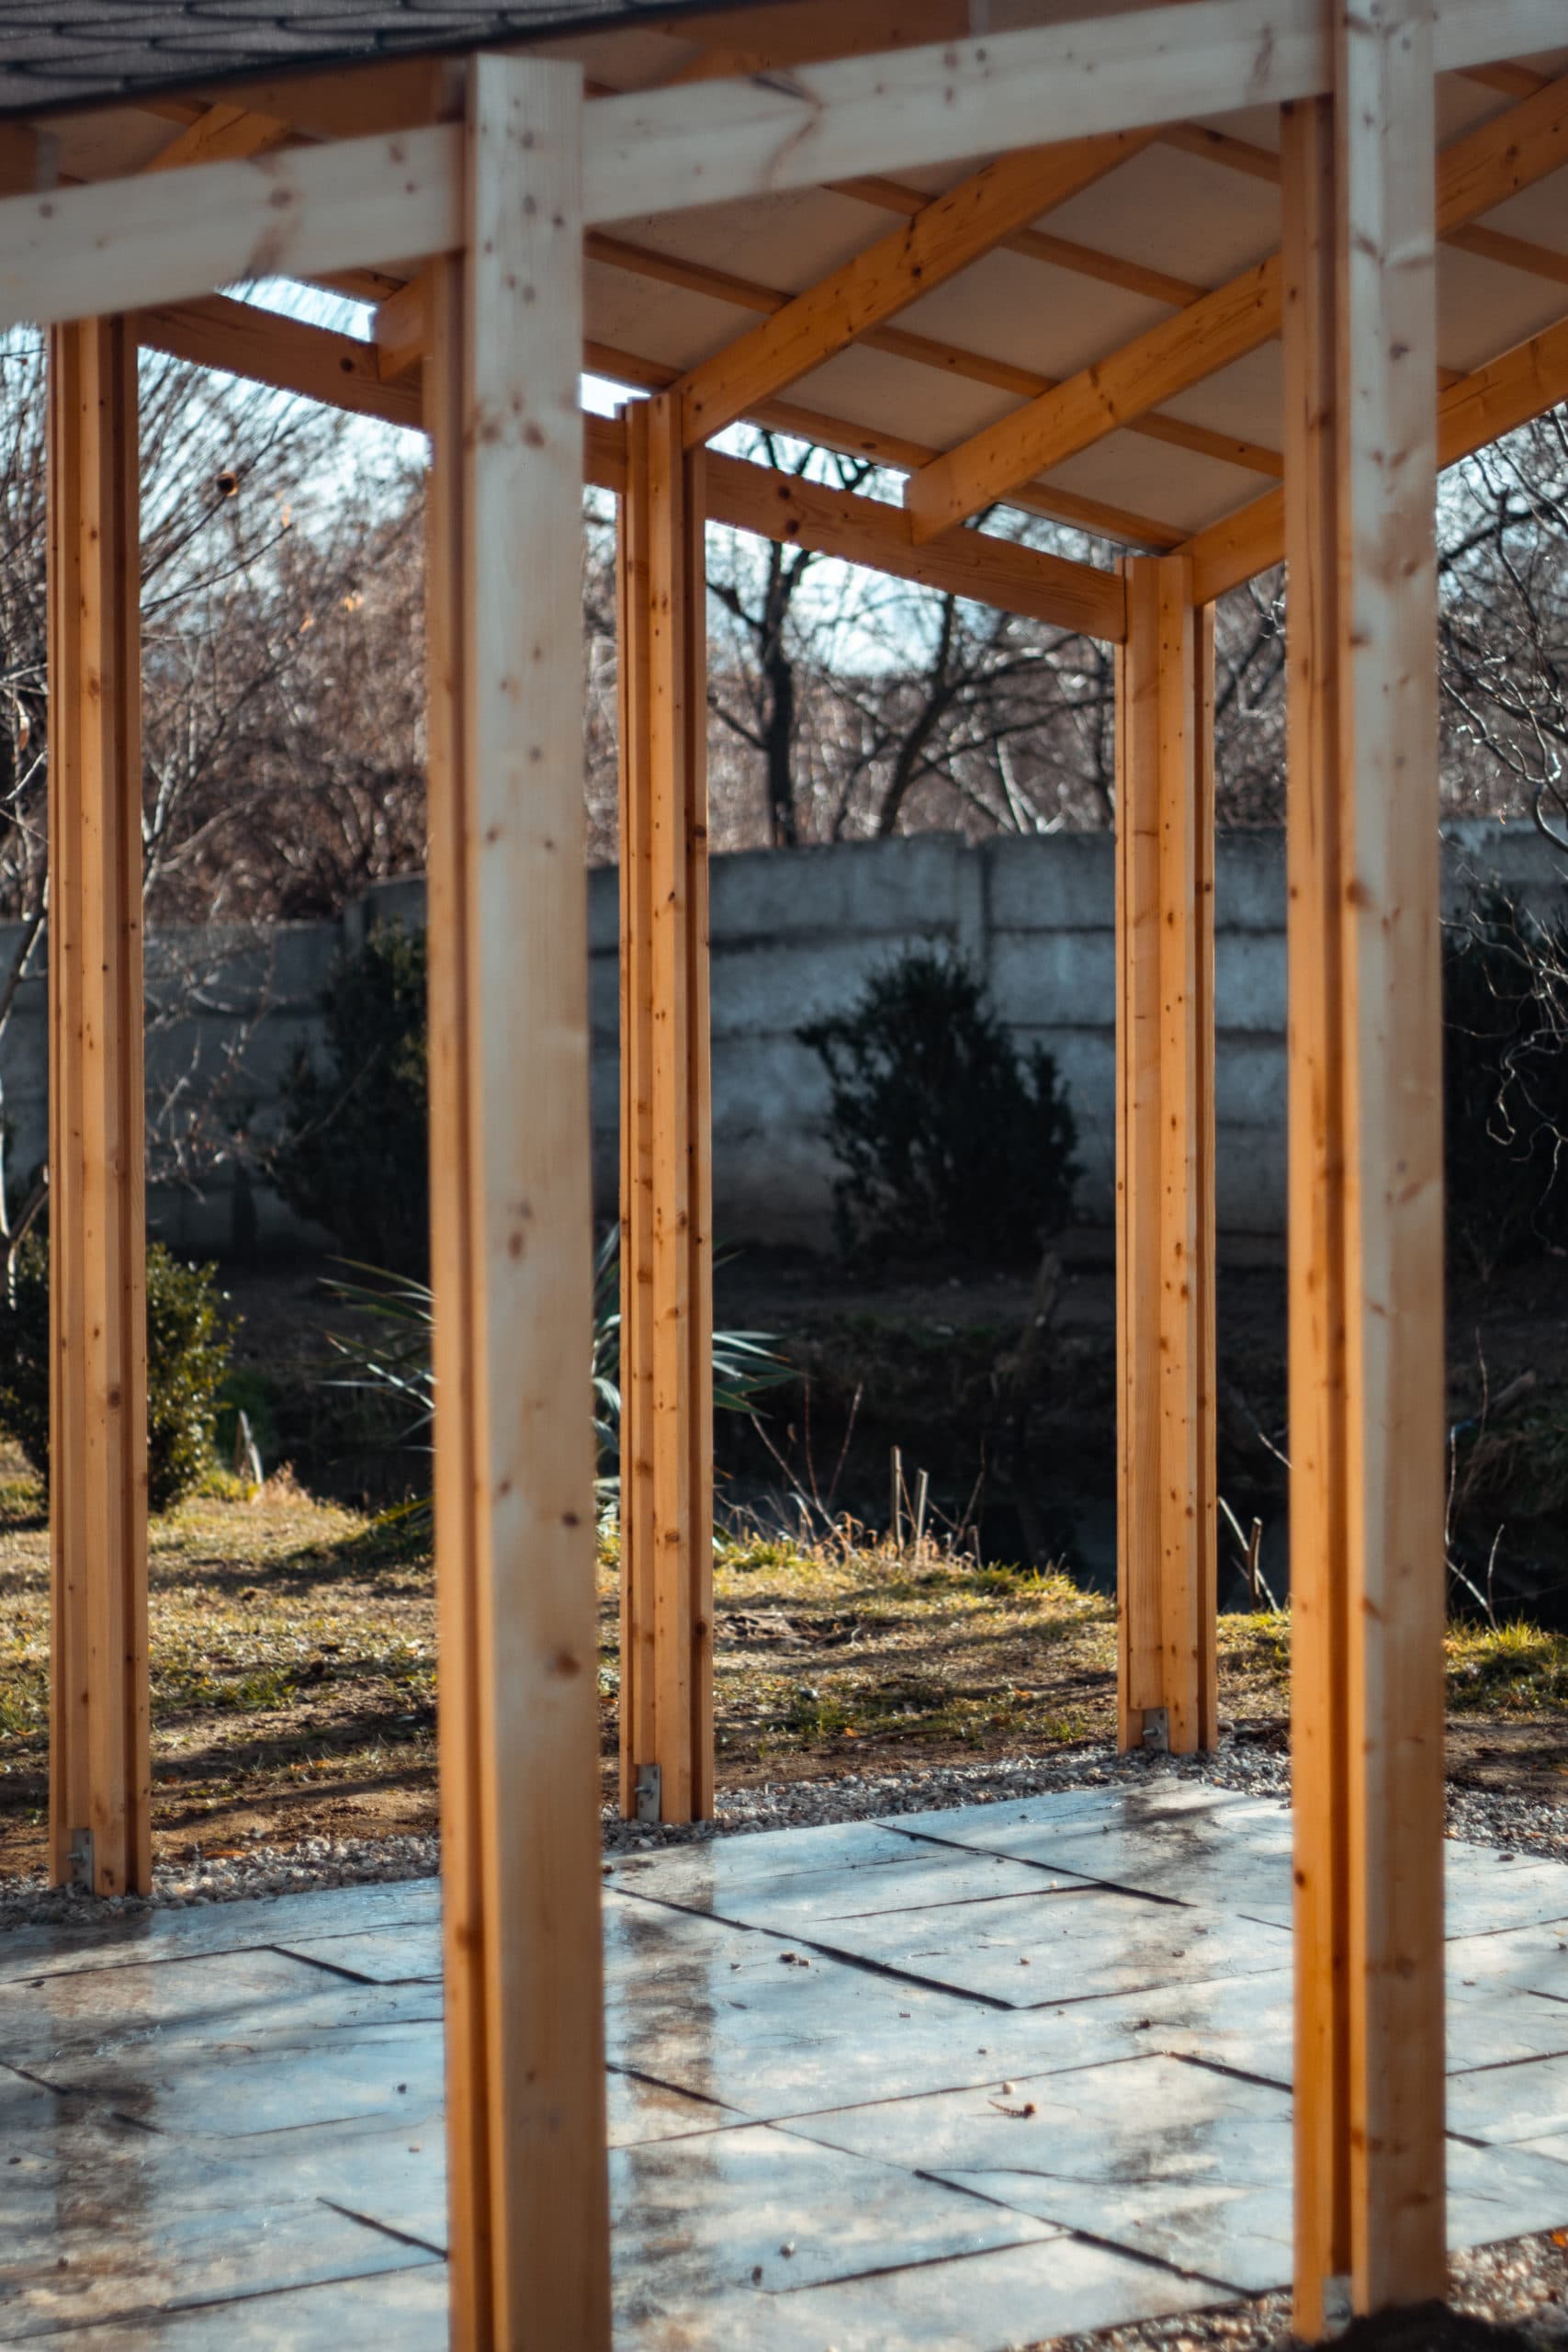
x: 666, y: 1272
x: 948, y: 232
x: 1366, y: 1189
x: 1474, y: 173
x: 100, y: 1771
x: 369, y: 100
x: 638, y: 1726
x: 1117, y: 391
x: 245, y: 340
x: 1165, y: 1171
x: 511, y: 1241
x: 363, y: 202
x: 966, y: 563
x: 1486, y: 165
x: 321, y: 364
x: 1317, y: 861
x: 223, y: 133
x: 783, y: 33
x: 1040, y: 244
x: 398, y: 330
x: 173, y: 236
x: 664, y: 150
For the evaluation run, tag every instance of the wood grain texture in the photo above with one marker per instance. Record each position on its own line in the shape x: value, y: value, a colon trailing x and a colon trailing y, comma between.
x: 1366, y: 1349
x: 948, y: 232
x: 1165, y: 1160
x: 100, y: 1773
x: 1475, y: 172
x: 511, y: 1244
x: 666, y: 1113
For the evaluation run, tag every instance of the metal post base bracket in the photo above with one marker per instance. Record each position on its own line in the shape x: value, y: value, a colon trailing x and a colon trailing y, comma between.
x: 649, y: 1792
x: 1156, y: 1730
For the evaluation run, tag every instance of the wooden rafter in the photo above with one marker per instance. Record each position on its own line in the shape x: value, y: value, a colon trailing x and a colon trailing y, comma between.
x: 890, y: 195
x: 314, y: 361
x: 1488, y: 244
x: 922, y: 351
x: 398, y: 335
x: 1479, y: 170
x: 1492, y: 400
x: 220, y: 135
x: 948, y: 232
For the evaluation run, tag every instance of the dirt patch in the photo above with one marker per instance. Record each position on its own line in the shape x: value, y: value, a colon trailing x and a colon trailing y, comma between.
x: 294, y: 1672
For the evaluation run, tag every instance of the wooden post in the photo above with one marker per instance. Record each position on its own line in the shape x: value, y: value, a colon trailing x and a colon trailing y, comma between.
x: 100, y: 1771
x: 1165, y: 1193
x: 1366, y: 1250
x: 666, y: 1120
x: 512, y: 1236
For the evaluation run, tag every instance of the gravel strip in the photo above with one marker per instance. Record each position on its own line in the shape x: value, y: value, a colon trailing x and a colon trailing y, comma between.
x: 1521, y: 2285
x: 1517, y: 1825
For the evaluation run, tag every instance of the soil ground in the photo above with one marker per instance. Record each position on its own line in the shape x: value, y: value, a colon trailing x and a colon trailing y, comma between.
x: 293, y: 1637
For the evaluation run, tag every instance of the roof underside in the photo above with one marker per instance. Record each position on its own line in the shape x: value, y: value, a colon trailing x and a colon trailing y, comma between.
x: 1181, y: 216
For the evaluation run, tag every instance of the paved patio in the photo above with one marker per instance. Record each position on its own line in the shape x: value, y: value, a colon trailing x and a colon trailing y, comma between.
x: 964, y: 2079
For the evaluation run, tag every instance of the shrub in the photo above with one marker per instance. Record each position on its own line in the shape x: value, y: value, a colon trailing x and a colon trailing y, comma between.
x: 354, y: 1154
x: 1506, y: 1084
x: 951, y: 1143
x: 188, y: 1339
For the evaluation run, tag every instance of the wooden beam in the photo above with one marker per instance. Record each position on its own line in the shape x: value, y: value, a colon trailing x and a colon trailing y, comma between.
x: 1495, y: 399
x: 1123, y: 387
x: 948, y: 232
x: 1366, y: 1153
x: 100, y: 1770
x: 361, y: 202
x: 220, y: 135
x: 1165, y: 1131
x: 665, y: 150
x: 966, y: 563
x: 1506, y: 392
x: 666, y: 1129
x: 398, y: 330
x: 511, y: 1241
x: 662, y: 151
x: 173, y: 236
x: 923, y: 351
x: 245, y: 340
x: 1477, y: 170
x: 1039, y: 244
x: 770, y: 38
x: 343, y: 372
x: 365, y: 100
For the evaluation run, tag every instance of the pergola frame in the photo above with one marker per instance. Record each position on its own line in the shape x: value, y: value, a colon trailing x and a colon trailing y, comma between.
x: 498, y: 180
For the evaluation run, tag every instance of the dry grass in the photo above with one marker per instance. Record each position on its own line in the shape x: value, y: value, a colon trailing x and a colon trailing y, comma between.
x: 294, y: 1667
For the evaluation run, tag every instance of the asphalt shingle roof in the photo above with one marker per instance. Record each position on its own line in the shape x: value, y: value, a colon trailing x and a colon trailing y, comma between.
x: 57, y: 53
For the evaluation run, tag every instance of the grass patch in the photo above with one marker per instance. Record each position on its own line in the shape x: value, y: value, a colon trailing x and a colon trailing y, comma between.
x: 294, y: 1661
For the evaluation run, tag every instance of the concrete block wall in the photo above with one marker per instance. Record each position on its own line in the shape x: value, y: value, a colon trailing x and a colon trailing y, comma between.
x: 795, y: 935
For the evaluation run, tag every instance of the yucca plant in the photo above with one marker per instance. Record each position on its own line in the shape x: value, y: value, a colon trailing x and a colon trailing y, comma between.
x: 394, y: 1360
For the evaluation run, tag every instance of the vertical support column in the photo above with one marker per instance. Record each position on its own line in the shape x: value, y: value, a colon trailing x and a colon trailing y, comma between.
x: 510, y: 1243
x: 100, y: 1772
x: 666, y: 1122
x: 1165, y: 1189
x: 1366, y: 1271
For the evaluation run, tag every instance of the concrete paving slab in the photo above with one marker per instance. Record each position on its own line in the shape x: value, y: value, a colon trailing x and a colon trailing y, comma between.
x: 994, y: 2075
